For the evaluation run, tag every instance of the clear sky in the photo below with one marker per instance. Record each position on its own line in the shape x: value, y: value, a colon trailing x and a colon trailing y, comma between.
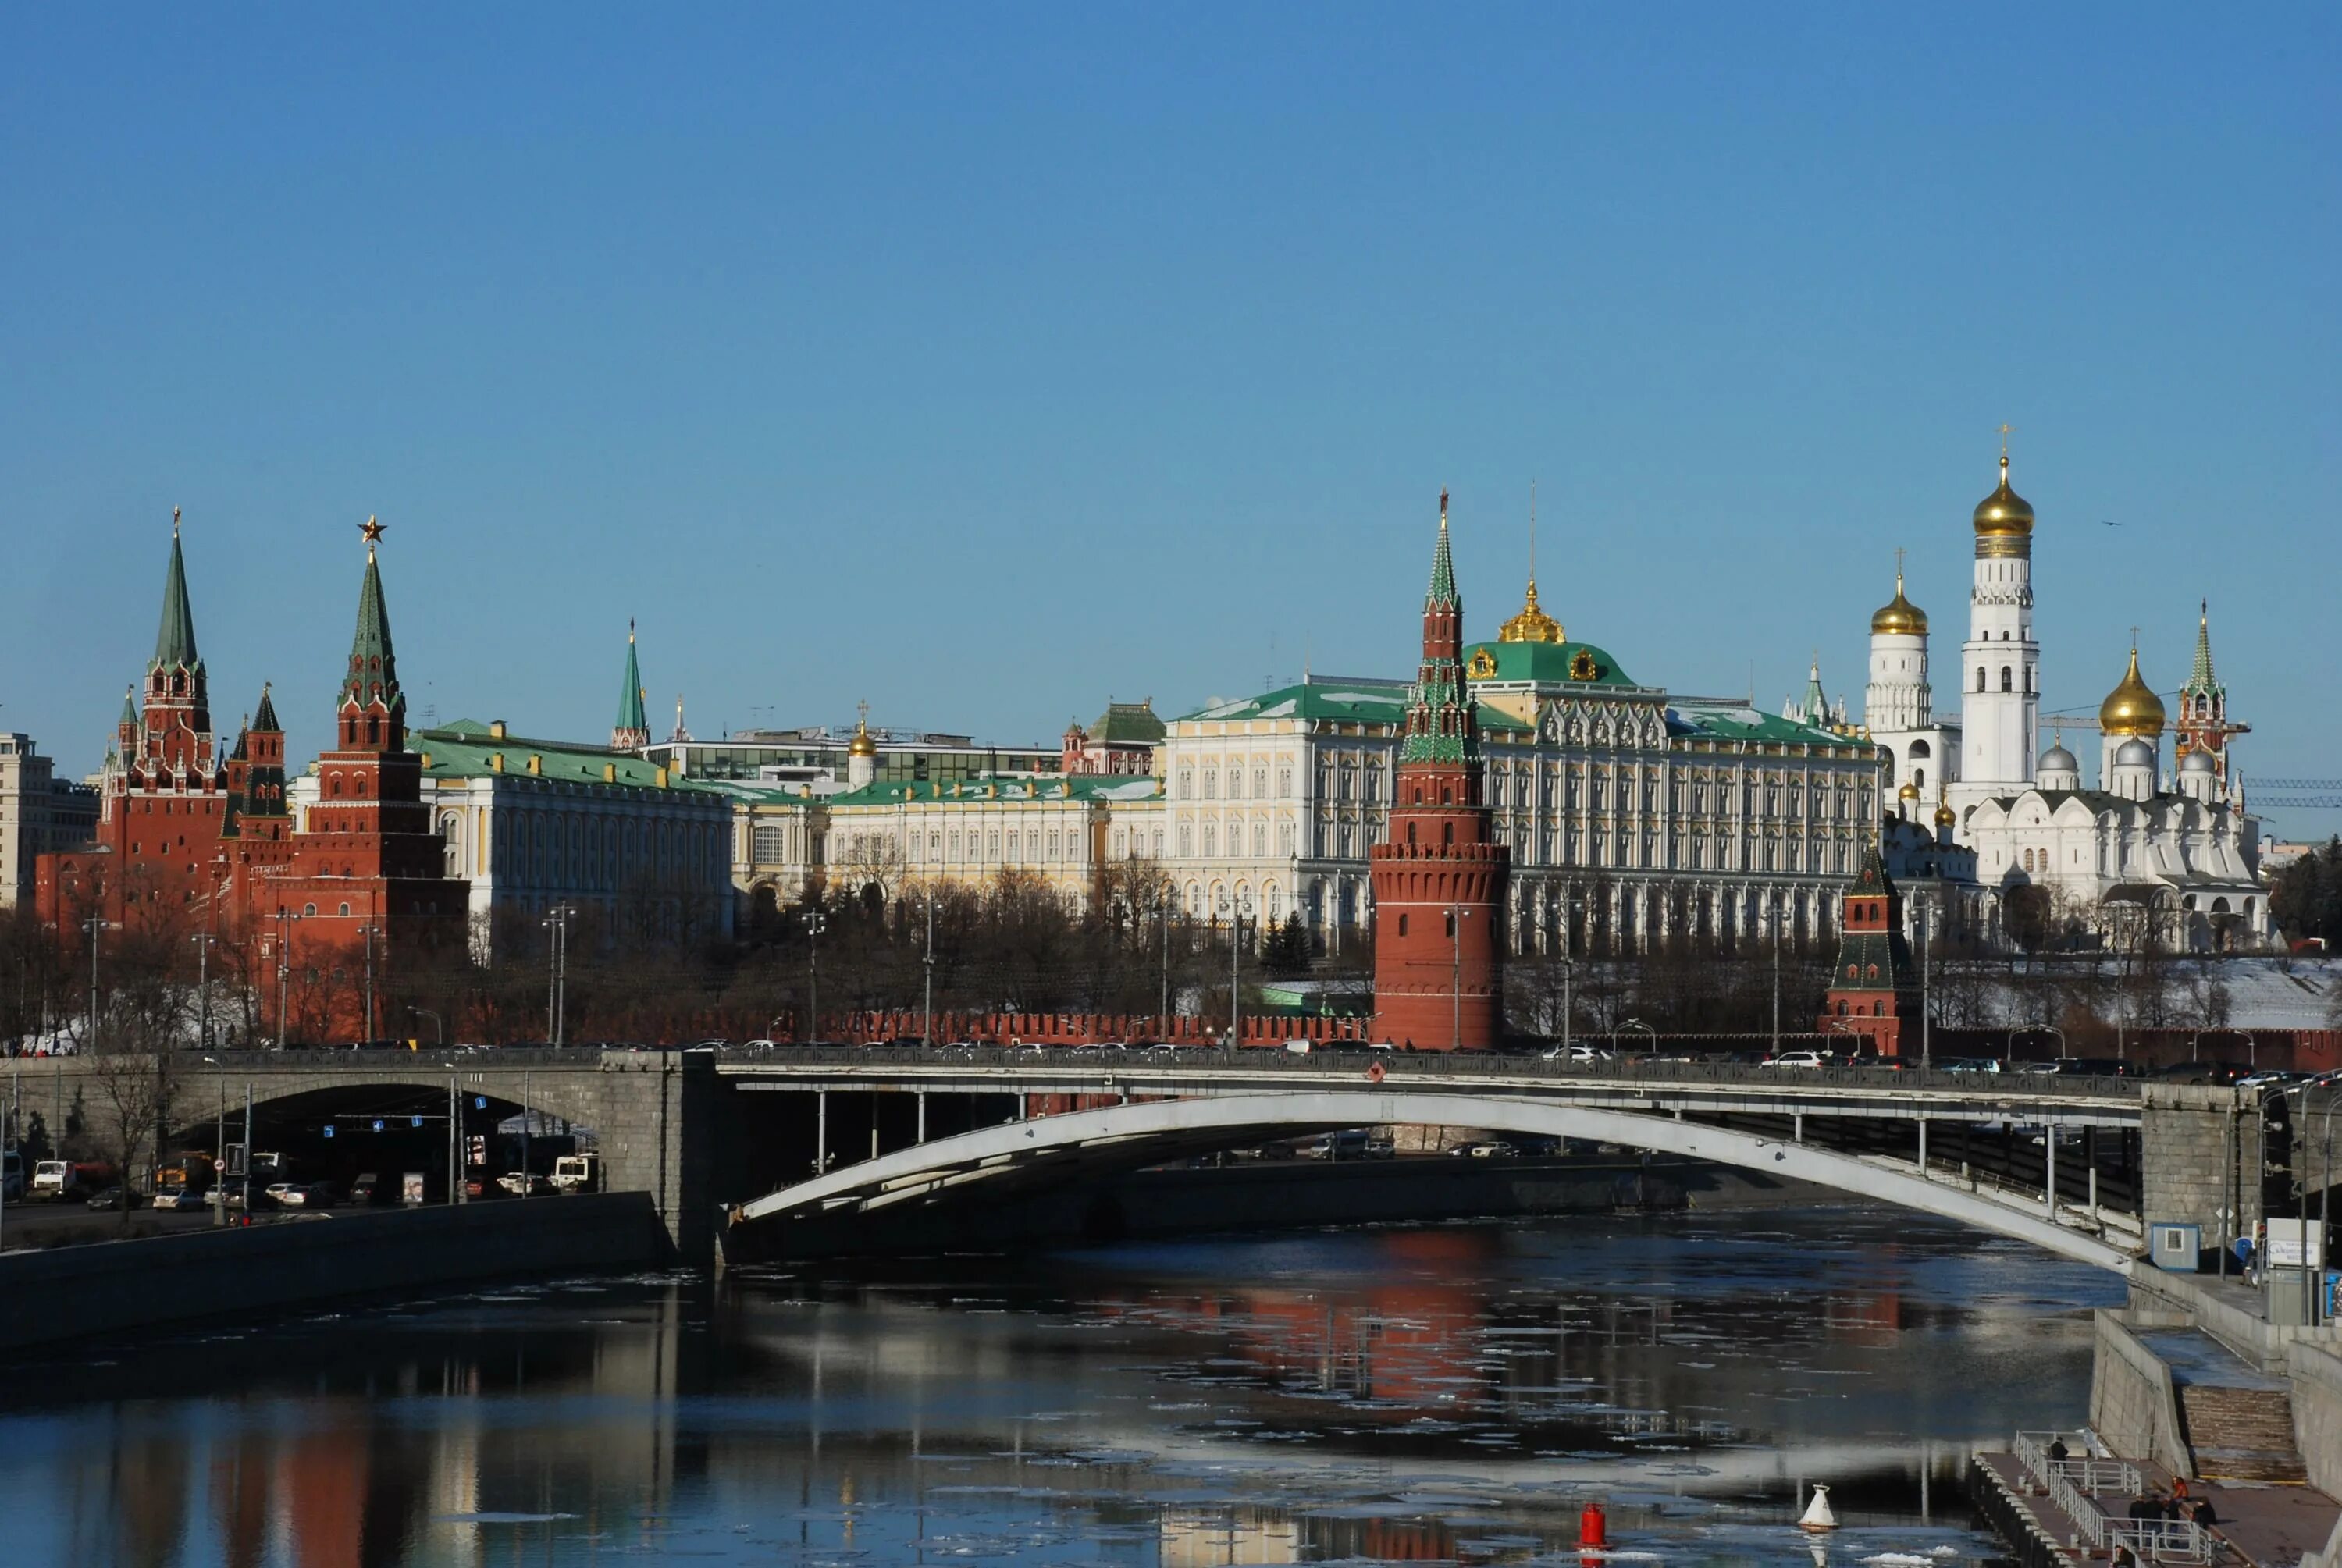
x: 984, y: 362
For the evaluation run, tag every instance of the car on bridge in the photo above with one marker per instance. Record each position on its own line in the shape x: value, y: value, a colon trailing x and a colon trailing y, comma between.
x: 1797, y: 1059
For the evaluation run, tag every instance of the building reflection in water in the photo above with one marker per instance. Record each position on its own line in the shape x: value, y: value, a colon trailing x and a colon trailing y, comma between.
x: 1228, y: 1402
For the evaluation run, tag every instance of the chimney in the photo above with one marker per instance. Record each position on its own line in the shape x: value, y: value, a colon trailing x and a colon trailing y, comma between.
x: 495, y: 729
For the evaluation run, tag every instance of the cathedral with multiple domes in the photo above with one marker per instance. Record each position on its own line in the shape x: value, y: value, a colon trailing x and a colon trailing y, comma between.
x: 2019, y: 841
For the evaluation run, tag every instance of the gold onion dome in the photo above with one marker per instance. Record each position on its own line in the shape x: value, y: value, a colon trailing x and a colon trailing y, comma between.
x: 1908, y: 792
x: 862, y: 745
x: 2131, y: 709
x: 1945, y: 815
x: 2004, y: 514
x: 1532, y: 625
x: 1900, y: 617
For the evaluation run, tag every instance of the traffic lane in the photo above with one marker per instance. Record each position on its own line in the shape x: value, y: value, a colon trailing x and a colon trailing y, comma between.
x: 50, y: 1224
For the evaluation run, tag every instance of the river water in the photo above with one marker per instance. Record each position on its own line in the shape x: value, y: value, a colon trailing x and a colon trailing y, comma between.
x: 1454, y: 1392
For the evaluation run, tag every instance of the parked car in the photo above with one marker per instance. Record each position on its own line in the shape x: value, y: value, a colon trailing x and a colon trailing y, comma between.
x: 1796, y: 1059
x: 525, y: 1184
x: 2269, y: 1078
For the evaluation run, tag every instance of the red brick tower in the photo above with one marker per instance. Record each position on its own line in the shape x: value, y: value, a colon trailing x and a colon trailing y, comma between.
x: 368, y: 854
x: 1870, y: 998
x: 1439, y: 882
x: 156, y: 851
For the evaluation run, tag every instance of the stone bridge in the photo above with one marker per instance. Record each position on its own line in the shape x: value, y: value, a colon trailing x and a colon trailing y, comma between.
x: 758, y: 1138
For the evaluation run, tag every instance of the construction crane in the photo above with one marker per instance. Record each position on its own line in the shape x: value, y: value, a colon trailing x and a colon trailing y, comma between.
x: 2301, y: 794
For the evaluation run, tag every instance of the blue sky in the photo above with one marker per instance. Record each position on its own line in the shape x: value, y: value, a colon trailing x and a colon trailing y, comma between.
x: 987, y: 362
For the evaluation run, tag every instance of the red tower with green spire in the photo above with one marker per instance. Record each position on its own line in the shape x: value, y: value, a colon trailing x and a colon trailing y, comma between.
x: 1440, y: 880
x: 368, y: 855
x: 1870, y: 997
x: 156, y: 859
x: 632, y: 732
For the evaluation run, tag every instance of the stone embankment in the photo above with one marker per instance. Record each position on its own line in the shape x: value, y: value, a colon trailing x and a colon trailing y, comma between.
x: 112, y: 1287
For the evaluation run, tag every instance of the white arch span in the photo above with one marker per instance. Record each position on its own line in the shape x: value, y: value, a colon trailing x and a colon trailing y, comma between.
x: 1151, y: 1132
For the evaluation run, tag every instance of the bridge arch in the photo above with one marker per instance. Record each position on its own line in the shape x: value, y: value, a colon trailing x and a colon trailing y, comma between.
x: 1152, y: 1132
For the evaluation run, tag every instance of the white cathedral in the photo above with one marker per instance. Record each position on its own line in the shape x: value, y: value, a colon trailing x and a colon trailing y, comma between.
x: 2013, y: 834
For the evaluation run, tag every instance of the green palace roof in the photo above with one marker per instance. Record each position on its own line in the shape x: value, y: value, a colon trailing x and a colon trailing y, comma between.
x: 464, y: 750
x: 1344, y: 702
x: 1127, y: 723
x: 1737, y: 722
x: 1545, y: 664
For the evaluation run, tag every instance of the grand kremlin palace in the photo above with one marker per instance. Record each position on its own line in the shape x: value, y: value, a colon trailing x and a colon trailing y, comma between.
x: 1632, y: 815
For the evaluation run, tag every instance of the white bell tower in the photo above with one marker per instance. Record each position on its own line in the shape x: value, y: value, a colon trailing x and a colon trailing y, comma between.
x: 2000, y: 664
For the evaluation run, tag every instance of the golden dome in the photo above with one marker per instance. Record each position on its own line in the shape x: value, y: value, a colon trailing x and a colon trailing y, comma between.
x: 2131, y: 709
x: 2004, y: 514
x: 1945, y: 815
x: 1902, y: 617
x: 1908, y: 792
x: 1532, y: 625
x: 863, y: 745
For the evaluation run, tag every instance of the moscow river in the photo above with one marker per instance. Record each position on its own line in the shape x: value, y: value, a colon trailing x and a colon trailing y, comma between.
x: 1441, y: 1393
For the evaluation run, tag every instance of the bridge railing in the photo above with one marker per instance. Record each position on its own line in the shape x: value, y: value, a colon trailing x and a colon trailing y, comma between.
x: 1319, y: 1063
x: 2074, y: 1485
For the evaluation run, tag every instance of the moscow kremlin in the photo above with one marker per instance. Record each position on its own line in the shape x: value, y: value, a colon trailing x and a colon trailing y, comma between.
x: 1520, y: 796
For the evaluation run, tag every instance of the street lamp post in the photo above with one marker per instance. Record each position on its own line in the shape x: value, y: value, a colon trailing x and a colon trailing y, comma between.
x: 1455, y: 913
x: 815, y: 922
x: 93, y: 924
x: 1570, y: 907
x: 438, y: 1024
x: 927, y: 1029
x: 556, y: 991
x: 1163, y: 897
x: 285, y: 919
x: 1925, y: 911
x: 203, y: 941
x: 370, y: 932
x: 1238, y: 907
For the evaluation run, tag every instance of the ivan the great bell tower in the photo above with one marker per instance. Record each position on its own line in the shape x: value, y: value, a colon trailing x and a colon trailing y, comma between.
x: 1439, y: 882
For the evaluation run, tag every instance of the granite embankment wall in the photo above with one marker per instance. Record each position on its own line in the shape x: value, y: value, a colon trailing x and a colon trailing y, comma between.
x: 2316, y: 1372
x: 1282, y: 1195
x: 2134, y: 1404
x: 111, y: 1286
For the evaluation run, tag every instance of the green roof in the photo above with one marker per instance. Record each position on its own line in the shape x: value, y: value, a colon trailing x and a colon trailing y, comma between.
x: 1548, y: 663
x: 1734, y: 722
x: 1442, y: 594
x: 374, y: 667
x: 1344, y: 702
x: 174, y: 639
x: 463, y: 750
x: 1127, y: 723
x: 631, y: 717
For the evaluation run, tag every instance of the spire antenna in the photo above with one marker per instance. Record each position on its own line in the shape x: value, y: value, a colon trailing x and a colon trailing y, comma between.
x: 175, y: 522
x: 1898, y: 568
x: 1532, y: 533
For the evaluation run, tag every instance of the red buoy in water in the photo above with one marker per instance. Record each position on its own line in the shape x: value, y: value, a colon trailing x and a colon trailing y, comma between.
x: 1593, y: 1527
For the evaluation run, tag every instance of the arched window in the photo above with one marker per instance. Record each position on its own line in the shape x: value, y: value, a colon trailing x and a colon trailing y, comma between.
x: 1979, y: 677
x: 1402, y: 925
x: 2005, y: 684
x: 1447, y: 832
x: 1410, y: 844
